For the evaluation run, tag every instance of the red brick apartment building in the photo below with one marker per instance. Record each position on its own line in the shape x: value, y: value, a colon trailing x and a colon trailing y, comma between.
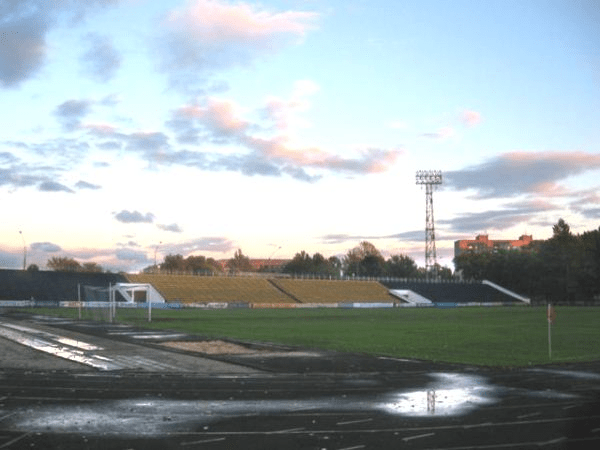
x: 482, y: 243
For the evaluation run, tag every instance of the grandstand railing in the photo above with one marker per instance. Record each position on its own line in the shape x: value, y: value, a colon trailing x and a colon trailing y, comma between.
x: 313, y: 276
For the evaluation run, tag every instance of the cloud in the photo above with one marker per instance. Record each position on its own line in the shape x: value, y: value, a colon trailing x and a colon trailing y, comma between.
x: 53, y: 186
x: 173, y: 228
x: 61, y: 152
x: 285, y: 113
x: 210, y: 35
x: 22, y: 40
x: 46, y: 247
x: 418, y: 235
x: 85, y: 185
x: 591, y: 213
x: 221, y: 122
x: 517, y: 173
x: 102, y: 60
x: 10, y: 261
x: 397, y: 124
x: 498, y: 219
x: 17, y: 174
x: 111, y: 100
x: 587, y: 203
x: 129, y: 254
x: 71, y: 112
x: 207, y: 244
x: 7, y: 158
x: 134, y: 217
x: 24, y: 25
x: 470, y: 118
x: 441, y: 134
x: 265, y: 141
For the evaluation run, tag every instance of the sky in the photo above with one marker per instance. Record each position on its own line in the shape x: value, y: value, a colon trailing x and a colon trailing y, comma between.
x: 134, y: 129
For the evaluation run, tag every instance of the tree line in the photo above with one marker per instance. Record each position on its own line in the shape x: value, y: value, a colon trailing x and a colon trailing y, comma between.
x: 565, y: 267
x: 364, y: 260
x: 65, y: 264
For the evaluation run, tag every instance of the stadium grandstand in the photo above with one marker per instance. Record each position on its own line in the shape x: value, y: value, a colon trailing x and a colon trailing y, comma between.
x: 333, y: 291
x: 49, y: 286
x: 210, y: 289
x: 452, y: 292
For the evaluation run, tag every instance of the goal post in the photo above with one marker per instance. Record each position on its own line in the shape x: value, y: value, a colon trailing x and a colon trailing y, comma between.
x: 107, y: 303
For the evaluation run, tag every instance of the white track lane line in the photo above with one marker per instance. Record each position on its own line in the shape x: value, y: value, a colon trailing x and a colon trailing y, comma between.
x: 420, y: 436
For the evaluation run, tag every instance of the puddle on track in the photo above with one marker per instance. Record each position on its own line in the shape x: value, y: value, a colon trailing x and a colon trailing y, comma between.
x: 450, y: 394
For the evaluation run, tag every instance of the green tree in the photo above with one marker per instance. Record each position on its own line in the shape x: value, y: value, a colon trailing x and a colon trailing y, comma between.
x: 355, y: 257
x: 372, y: 266
x: 300, y: 263
x: 173, y: 264
x: 590, y: 269
x: 561, y: 260
x: 91, y: 267
x: 334, y: 265
x: 565, y: 267
x: 63, y: 264
x: 201, y: 264
x: 401, y: 266
x: 240, y: 262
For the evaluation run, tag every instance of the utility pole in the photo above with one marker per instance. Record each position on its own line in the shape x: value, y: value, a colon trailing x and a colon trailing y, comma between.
x: 24, y: 251
x: 155, y: 250
x: 430, y: 179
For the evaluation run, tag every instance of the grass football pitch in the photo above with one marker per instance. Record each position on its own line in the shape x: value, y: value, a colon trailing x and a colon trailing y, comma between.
x: 494, y: 336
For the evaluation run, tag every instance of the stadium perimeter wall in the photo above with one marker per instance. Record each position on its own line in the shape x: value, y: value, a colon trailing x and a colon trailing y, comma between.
x: 222, y: 305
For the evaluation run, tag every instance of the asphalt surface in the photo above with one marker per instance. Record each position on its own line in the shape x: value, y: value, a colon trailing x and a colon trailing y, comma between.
x: 75, y: 385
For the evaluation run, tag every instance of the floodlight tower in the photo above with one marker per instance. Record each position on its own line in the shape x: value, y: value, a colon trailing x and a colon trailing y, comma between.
x: 430, y: 179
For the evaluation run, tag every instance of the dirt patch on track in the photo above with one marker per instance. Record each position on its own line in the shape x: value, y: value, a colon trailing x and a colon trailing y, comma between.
x: 216, y: 347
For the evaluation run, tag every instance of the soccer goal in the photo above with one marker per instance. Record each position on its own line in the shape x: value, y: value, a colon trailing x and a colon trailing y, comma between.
x: 107, y: 303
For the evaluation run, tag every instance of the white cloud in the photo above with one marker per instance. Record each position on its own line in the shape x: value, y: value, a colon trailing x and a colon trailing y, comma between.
x: 47, y: 247
x: 516, y: 173
x: 441, y: 134
x: 470, y: 118
x: 101, y: 61
x: 24, y: 25
x: 125, y: 216
x: 210, y: 35
x: 174, y: 228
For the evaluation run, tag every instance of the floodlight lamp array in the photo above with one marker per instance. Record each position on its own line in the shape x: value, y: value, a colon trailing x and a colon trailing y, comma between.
x: 429, y: 177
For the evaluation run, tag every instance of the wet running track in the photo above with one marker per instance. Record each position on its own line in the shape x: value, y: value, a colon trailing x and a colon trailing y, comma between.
x: 147, y: 397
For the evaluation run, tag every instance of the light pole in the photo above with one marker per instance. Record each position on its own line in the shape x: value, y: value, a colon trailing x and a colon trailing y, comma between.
x: 24, y: 250
x: 269, y: 260
x: 155, y: 250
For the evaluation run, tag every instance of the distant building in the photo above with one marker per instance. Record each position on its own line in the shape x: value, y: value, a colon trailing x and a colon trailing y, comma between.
x: 483, y: 244
x: 267, y: 265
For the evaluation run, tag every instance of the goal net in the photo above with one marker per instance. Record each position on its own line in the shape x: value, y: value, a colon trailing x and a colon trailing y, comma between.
x: 108, y: 303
